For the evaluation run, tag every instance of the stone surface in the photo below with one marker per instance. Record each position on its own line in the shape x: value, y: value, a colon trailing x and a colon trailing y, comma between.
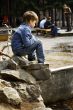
x: 41, y: 74
x: 42, y: 108
x: 12, y: 96
x: 4, y: 83
x: 22, y: 61
x: 34, y: 92
x: 59, y: 85
x: 4, y: 106
x: 31, y: 93
x: 37, y: 66
x: 9, y: 95
x: 12, y: 64
x: 32, y: 105
x: 3, y: 64
x: 19, y: 74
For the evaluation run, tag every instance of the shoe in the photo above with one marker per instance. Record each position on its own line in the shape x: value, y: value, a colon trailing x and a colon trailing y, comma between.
x: 40, y: 62
x: 32, y: 59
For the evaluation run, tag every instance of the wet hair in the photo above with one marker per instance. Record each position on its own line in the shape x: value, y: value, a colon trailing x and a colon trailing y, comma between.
x: 30, y: 15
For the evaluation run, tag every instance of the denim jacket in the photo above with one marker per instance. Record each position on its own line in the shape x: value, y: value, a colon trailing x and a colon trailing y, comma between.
x: 22, y: 38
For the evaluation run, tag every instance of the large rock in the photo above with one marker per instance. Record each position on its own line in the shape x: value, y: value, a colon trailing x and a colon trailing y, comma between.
x: 22, y: 61
x: 3, y: 64
x: 34, y: 92
x: 20, y: 75
x: 10, y: 95
x: 36, y: 66
x: 59, y: 85
x: 10, y: 64
x: 28, y: 92
x: 32, y: 105
x: 41, y: 74
x: 13, y: 93
x: 4, y: 83
x: 39, y: 71
x: 4, y: 106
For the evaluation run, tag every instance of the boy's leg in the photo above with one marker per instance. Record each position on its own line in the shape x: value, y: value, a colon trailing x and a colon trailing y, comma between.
x: 54, y: 30
x: 37, y: 46
x: 31, y: 57
x: 40, y: 52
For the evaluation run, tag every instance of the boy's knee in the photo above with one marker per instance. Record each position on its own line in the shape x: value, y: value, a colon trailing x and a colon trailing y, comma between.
x: 39, y: 42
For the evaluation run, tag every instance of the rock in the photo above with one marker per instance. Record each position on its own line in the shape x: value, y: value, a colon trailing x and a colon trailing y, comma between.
x: 32, y: 105
x: 35, y: 66
x: 12, y: 64
x: 30, y: 93
x: 8, y: 64
x: 21, y: 61
x: 21, y: 88
x: 41, y: 74
x: 20, y: 74
x: 12, y: 96
x: 58, y: 86
x: 27, y: 77
x: 4, y: 106
x: 34, y: 92
x: 9, y: 95
x: 42, y: 108
x: 3, y: 64
x: 4, y: 83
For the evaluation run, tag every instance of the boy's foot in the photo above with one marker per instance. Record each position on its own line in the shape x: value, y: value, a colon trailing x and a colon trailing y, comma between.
x: 32, y: 59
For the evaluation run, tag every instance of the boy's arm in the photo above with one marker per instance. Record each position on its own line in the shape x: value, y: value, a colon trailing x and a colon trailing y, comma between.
x: 27, y: 38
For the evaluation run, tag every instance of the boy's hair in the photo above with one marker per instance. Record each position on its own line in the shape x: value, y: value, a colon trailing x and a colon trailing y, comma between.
x: 30, y: 15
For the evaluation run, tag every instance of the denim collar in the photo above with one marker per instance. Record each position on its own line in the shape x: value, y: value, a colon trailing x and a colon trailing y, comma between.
x: 26, y: 25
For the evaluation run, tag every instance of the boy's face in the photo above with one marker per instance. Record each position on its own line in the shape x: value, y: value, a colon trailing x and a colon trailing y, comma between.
x: 32, y: 23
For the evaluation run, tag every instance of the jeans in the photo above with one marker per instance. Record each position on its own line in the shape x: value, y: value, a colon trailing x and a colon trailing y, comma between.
x: 54, y: 30
x: 37, y: 48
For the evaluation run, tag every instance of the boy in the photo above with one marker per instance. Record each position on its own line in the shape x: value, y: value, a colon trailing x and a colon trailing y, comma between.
x: 24, y: 43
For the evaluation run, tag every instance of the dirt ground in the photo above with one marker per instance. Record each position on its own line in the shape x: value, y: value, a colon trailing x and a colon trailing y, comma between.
x: 58, y: 51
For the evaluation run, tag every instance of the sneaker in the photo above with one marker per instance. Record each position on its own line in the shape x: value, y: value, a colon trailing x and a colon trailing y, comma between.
x: 32, y: 59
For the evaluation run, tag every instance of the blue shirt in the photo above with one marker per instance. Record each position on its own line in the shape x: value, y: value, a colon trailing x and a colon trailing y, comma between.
x: 22, y: 38
x: 42, y: 22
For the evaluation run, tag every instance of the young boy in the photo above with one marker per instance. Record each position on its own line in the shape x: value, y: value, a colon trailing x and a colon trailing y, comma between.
x: 24, y: 43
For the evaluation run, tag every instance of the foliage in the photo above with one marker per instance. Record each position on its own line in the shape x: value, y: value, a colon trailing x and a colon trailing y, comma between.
x: 17, y: 7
